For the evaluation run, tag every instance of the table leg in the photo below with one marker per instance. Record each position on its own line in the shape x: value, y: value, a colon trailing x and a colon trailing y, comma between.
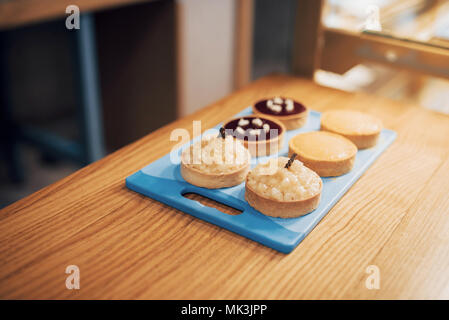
x: 89, y: 90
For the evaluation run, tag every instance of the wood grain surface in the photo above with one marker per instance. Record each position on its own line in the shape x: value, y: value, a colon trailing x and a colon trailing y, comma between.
x: 127, y: 246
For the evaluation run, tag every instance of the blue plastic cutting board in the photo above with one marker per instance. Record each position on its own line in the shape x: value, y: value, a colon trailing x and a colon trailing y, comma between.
x: 162, y: 181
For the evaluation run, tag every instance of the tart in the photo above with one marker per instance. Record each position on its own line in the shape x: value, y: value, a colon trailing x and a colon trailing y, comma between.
x: 261, y: 135
x: 291, y: 113
x: 215, y: 163
x: 326, y: 153
x: 282, y: 192
x: 361, y: 128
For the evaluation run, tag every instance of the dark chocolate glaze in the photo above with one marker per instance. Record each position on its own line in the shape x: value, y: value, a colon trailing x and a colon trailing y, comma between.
x: 233, y: 124
x: 261, y: 106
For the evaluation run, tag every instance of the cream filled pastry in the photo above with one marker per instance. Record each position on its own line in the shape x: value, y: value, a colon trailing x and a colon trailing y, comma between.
x: 215, y: 162
x: 283, y: 188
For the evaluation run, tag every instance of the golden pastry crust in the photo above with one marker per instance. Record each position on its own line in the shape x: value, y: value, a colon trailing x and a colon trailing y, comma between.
x: 281, y: 209
x: 326, y: 153
x: 263, y: 147
x: 213, y: 180
x: 279, y: 192
x: 216, y: 173
x: 361, y: 128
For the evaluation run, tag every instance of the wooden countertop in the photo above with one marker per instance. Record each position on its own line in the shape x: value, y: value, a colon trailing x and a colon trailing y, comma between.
x: 128, y: 246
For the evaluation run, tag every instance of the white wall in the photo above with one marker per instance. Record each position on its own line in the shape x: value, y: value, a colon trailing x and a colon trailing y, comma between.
x: 206, y: 52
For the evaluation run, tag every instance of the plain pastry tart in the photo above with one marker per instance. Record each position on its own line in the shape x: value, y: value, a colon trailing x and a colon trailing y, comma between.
x: 282, y: 192
x: 361, y: 128
x: 326, y: 153
x: 261, y: 135
x: 215, y: 162
x: 291, y: 113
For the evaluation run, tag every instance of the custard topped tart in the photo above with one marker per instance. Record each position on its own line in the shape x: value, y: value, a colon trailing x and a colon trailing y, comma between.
x: 283, y: 187
x: 215, y: 162
x: 290, y: 112
x: 326, y: 153
x: 261, y: 135
x: 361, y: 128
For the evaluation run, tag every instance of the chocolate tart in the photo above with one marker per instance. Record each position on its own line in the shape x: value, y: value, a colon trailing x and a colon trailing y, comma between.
x: 361, y: 128
x: 216, y: 174
x: 326, y: 153
x: 285, y: 202
x: 260, y: 134
x: 291, y: 113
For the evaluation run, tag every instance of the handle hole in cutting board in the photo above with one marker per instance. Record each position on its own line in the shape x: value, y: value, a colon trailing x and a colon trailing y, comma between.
x: 212, y: 203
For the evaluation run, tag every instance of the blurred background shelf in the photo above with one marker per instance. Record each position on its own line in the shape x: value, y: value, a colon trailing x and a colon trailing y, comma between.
x: 425, y: 21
